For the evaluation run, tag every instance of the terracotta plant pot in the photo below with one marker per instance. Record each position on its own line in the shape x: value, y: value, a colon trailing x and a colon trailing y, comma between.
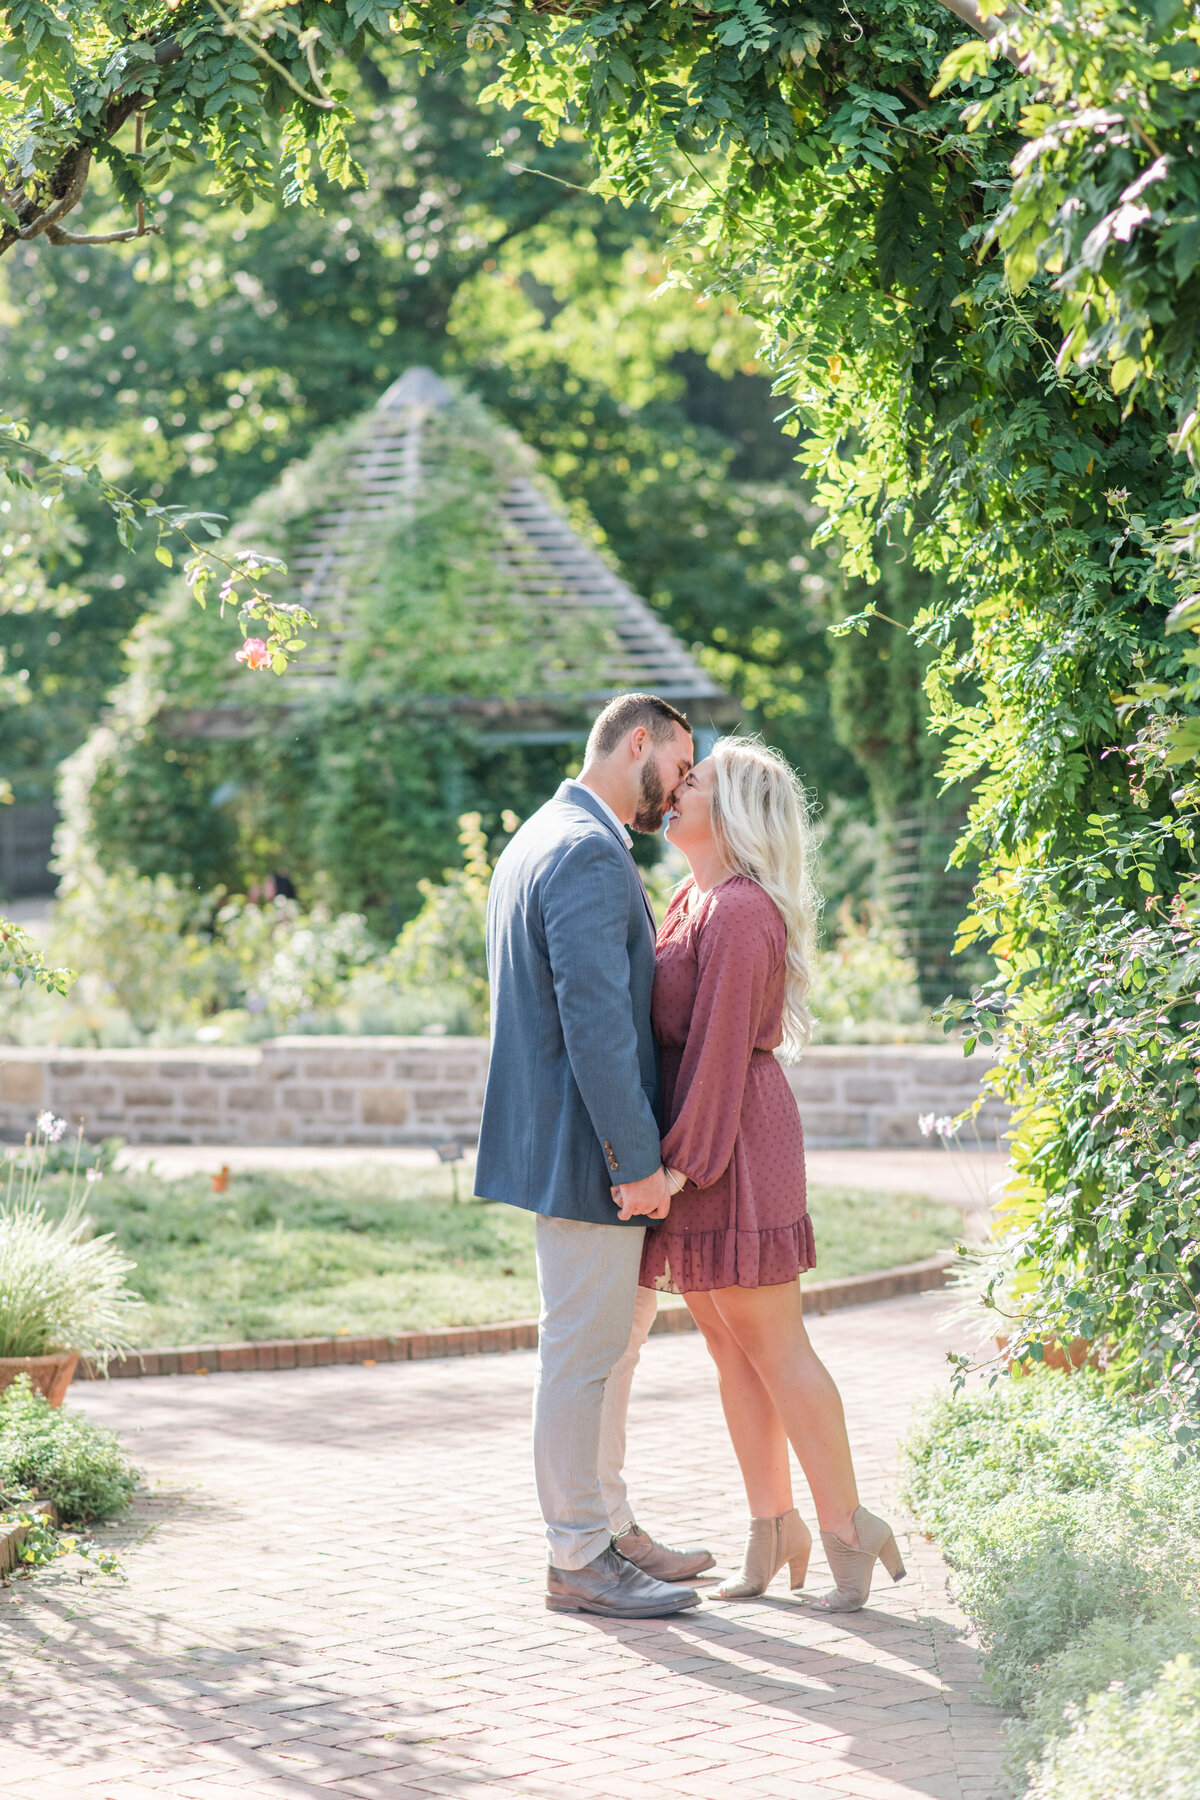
x: 1055, y: 1356
x: 50, y: 1375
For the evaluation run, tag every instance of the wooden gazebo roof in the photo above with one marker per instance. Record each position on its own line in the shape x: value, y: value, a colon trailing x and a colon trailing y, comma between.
x: 549, y: 568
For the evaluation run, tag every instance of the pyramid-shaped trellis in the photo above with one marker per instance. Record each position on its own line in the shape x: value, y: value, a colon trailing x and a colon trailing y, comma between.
x: 544, y: 565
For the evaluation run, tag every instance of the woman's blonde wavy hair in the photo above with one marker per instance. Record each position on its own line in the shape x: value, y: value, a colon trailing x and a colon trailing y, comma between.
x: 760, y: 820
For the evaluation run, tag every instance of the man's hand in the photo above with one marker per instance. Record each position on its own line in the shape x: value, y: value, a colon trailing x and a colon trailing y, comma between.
x: 649, y: 1198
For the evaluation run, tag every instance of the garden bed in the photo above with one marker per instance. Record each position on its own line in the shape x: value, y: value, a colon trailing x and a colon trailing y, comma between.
x: 1072, y: 1522
x: 378, y: 1250
x: 55, y: 1467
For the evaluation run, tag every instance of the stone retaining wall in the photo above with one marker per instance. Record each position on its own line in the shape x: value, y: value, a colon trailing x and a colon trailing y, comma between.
x: 340, y: 1090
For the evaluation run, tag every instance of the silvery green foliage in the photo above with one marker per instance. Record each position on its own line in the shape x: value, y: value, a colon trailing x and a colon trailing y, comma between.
x: 1071, y: 1521
x: 1126, y: 1745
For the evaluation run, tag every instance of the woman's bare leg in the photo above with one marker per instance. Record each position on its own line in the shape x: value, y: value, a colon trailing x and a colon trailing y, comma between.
x: 759, y: 1440
x: 767, y: 1326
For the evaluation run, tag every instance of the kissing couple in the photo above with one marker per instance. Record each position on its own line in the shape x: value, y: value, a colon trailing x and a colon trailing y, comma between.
x: 635, y: 1104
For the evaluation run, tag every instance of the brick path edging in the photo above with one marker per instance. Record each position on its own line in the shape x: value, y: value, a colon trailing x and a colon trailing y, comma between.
x: 12, y: 1536
x: 474, y: 1340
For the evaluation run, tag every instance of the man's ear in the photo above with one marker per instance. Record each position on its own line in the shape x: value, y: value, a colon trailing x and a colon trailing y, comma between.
x: 638, y: 739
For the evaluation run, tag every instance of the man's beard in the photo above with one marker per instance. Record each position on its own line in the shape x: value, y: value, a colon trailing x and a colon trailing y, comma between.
x: 653, y: 804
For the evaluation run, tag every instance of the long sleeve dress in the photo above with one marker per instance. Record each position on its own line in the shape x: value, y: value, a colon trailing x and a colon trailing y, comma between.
x: 732, y: 1123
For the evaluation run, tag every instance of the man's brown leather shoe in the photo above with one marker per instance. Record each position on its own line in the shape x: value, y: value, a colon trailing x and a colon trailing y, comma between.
x: 616, y: 1589
x: 637, y: 1546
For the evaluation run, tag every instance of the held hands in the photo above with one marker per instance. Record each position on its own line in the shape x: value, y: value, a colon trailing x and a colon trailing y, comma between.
x: 649, y: 1198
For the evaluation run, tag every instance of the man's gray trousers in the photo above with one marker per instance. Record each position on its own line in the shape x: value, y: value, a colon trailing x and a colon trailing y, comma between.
x: 588, y: 1280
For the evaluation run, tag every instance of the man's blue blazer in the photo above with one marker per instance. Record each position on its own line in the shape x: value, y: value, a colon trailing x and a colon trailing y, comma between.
x: 572, y: 1102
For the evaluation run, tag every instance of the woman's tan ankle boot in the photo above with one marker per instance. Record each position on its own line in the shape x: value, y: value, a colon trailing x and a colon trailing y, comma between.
x: 769, y: 1544
x: 852, y: 1569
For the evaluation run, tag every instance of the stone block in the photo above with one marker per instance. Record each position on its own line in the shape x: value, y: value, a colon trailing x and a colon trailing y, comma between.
x: 309, y: 1099
x: 148, y: 1096
x: 346, y: 1067
x: 383, y: 1106
x: 202, y: 1097
x: 251, y: 1096
x: 811, y: 1090
x: 956, y: 1072
x: 433, y: 1100
x: 405, y: 1069
x: 863, y: 1090
x: 22, y: 1083
x: 181, y: 1071
x: 460, y: 1071
x: 341, y: 1101
x: 897, y: 1130
x: 87, y: 1096
x: 829, y: 1125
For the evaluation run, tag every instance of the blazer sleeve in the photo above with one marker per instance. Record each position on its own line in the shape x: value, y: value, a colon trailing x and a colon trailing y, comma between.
x: 738, y: 949
x: 585, y: 916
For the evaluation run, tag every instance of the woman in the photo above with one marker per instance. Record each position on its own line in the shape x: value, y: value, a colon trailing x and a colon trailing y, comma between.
x: 730, y: 982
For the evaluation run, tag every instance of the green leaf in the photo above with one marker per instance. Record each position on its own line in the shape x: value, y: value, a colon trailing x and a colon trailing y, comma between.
x: 1020, y: 265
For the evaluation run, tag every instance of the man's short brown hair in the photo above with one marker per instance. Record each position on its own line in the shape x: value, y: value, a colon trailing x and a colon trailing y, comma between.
x: 625, y: 714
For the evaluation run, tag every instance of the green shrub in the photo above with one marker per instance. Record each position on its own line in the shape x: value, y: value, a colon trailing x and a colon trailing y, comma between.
x: 1131, y: 1651
x: 864, y: 987
x: 1072, y: 1523
x: 1123, y: 1746
x: 58, y: 1456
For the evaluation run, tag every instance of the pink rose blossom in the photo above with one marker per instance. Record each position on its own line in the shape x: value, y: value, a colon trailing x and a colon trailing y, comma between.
x: 254, y: 654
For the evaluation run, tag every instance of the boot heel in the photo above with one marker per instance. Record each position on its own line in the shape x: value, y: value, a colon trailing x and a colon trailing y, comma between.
x: 852, y: 1567
x: 889, y: 1556
x: 770, y: 1544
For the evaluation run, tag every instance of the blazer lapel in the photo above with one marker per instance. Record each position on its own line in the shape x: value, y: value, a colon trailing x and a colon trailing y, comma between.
x: 646, y: 901
x: 575, y: 795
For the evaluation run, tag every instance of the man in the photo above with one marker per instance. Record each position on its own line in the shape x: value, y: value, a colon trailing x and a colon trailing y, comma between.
x: 571, y: 1111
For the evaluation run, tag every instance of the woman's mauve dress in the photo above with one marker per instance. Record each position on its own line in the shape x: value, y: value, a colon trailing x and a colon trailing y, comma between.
x: 732, y: 1124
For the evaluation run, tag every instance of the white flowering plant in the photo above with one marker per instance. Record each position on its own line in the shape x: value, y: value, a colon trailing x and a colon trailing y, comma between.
x: 61, y: 1288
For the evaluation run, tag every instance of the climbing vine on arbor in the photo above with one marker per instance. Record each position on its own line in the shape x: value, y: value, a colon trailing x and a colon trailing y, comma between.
x: 974, y: 262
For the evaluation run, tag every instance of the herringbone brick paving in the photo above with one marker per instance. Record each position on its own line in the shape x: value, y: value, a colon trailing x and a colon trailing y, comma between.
x: 335, y: 1587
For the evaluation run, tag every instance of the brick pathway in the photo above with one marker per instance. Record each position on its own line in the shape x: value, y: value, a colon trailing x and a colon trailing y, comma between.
x: 334, y: 1588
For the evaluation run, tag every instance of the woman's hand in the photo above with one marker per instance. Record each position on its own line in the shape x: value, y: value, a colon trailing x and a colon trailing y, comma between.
x: 649, y: 1198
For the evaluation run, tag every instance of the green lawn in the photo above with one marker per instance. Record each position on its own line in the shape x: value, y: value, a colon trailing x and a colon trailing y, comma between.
x: 379, y: 1250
